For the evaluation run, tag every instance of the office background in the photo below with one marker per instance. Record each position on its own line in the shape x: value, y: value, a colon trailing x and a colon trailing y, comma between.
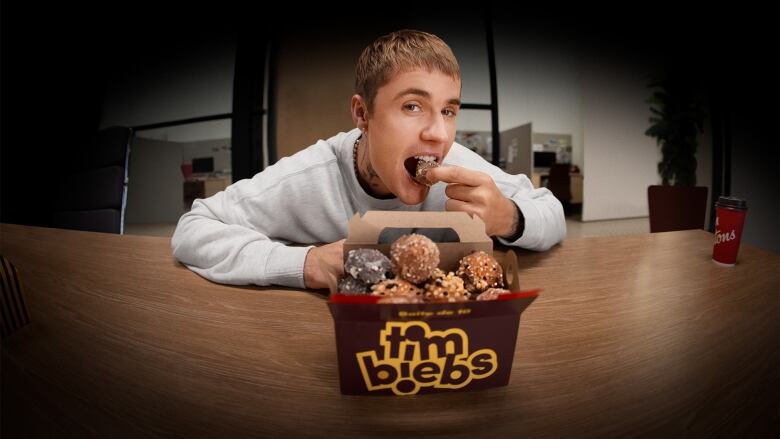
x: 170, y: 72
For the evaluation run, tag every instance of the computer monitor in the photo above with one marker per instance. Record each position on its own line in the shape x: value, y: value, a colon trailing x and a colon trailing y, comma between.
x: 544, y: 159
x: 203, y: 165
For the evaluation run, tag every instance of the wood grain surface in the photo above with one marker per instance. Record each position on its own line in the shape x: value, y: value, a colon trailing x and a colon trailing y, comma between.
x: 632, y: 336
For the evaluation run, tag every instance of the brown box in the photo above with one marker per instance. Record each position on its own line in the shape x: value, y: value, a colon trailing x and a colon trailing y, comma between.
x: 407, y: 349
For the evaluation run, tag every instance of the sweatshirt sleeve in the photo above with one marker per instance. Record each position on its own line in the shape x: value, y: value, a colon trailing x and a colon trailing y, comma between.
x: 240, y: 236
x: 545, y: 224
x: 228, y: 252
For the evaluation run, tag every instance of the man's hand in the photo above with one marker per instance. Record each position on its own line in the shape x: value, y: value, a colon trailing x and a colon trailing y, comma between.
x: 476, y: 193
x: 329, y: 255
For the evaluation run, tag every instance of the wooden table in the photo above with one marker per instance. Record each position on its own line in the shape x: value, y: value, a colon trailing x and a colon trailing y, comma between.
x: 632, y: 336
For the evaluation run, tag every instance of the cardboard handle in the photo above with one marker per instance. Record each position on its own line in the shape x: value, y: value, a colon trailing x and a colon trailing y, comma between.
x: 511, y: 271
x: 366, y: 229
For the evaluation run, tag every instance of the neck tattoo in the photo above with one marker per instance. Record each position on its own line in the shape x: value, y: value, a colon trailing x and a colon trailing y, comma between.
x: 354, y: 157
x: 370, y: 181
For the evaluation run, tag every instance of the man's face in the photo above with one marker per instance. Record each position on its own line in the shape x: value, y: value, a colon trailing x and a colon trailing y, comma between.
x: 413, y: 115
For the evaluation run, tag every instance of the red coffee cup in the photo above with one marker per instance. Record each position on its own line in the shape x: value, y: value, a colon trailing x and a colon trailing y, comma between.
x: 730, y: 217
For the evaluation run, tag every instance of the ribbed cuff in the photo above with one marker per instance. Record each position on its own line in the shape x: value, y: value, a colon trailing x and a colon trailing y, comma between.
x: 530, y: 222
x: 284, y: 266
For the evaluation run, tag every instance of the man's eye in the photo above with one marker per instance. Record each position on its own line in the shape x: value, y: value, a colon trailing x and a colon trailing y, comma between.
x: 412, y: 107
x: 449, y: 113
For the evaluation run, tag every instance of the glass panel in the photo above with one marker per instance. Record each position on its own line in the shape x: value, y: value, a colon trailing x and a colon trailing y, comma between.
x: 169, y: 168
x: 474, y: 132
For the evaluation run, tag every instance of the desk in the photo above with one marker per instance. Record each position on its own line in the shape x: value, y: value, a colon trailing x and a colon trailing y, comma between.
x: 203, y: 188
x: 632, y: 336
x: 575, y: 183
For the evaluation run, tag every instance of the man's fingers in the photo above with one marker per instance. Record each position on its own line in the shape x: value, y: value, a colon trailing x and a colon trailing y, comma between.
x: 337, y: 255
x: 456, y: 174
x: 459, y: 191
x: 472, y: 194
x: 461, y: 206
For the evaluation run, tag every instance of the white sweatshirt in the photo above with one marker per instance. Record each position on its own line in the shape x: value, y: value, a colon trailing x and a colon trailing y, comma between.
x: 240, y: 236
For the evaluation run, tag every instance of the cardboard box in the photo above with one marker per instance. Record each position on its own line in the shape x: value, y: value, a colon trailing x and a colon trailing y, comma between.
x: 394, y: 349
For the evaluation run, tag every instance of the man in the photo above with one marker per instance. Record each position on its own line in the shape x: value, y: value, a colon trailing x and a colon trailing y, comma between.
x: 405, y: 105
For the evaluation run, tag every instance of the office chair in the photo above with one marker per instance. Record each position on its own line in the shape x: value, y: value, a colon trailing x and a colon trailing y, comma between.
x: 559, y: 183
x: 93, y: 197
x: 676, y: 207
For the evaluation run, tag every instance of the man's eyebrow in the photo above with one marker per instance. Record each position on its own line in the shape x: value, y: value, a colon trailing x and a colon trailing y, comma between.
x: 424, y: 94
x: 414, y: 91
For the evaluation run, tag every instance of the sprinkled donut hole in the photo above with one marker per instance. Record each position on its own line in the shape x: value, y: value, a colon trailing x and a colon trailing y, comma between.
x: 395, y: 288
x: 414, y: 257
x: 480, y: 271
x: 445, y: 287
x: 367, y: 264
x: 350, y: 285
x: 422, y: 169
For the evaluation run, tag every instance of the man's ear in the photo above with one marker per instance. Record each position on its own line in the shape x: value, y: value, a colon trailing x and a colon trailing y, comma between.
x: 359, y: 112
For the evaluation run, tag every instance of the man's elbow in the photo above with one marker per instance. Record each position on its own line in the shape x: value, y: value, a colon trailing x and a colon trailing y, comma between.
x: 179, y: 240
x: 554, y: 240
x: 557, y: 229
x: 547, y: 243
x: 176, y: 245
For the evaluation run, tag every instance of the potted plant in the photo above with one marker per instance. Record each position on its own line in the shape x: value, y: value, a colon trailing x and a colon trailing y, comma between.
x: 677, y: 118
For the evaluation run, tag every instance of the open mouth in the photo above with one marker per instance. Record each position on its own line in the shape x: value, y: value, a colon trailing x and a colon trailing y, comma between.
x: 418, y: 166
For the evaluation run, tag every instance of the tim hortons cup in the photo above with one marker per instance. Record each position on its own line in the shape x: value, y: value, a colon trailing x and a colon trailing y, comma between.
x: 729, y: 219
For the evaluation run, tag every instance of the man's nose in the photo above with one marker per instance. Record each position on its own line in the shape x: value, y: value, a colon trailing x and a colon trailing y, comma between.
x: 436, y: 129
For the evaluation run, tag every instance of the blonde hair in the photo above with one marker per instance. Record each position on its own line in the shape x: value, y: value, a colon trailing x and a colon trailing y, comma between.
x: 398, y: 52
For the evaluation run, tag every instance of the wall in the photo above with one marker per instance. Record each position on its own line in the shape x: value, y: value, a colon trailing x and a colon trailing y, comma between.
x: 155, y: 193
x: 540, y: 84
x: 315, y: 83
x: 218, y: 149
x: 466, y: 37
x: 619, y: 160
